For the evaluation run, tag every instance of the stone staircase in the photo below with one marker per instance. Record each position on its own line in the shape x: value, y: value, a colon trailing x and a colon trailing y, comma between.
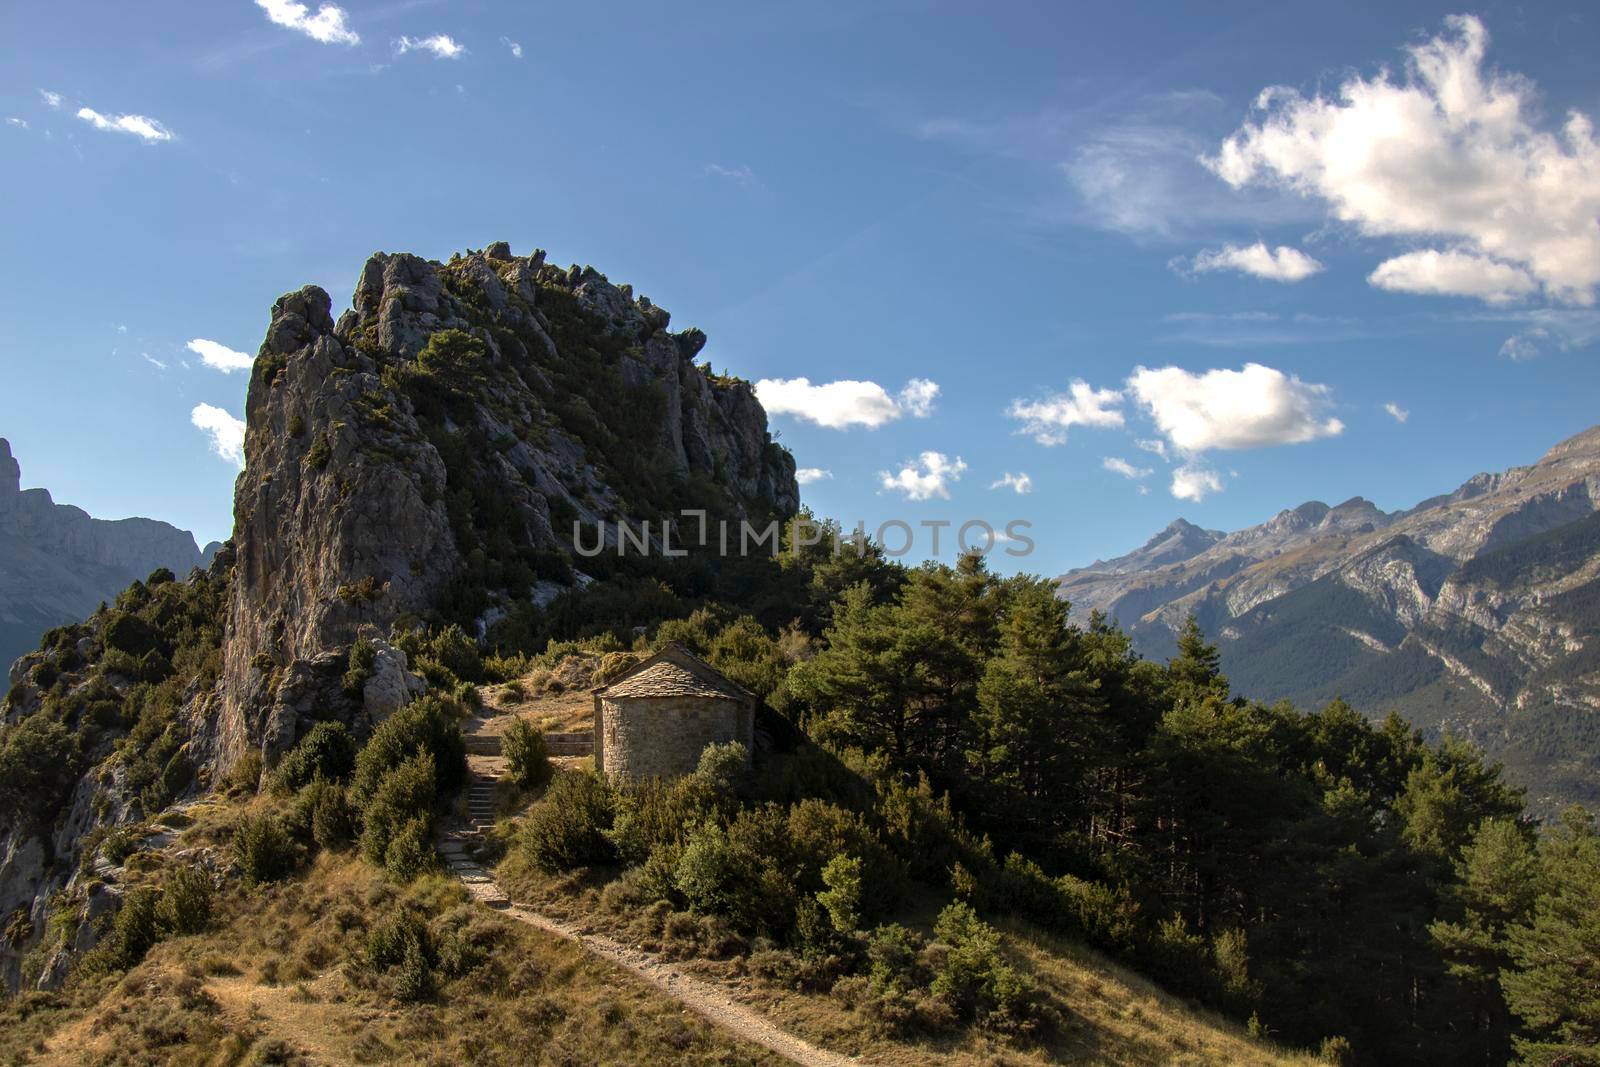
x: 480, y: 743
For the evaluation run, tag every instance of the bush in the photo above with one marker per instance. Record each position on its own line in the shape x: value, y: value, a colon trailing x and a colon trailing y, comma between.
x: 526, y: 755
x: 842, y: 898
x: 327, y: 751
x: 363, y: 660
x: 399, y: 945
x: 263, y: 849
x: 405, y: 795
x: 427, y: 725
x: 333, y: 820
x: 245, y: 774
x: 38, y: 760
x: 185, y: 906
x: 568, y: 827
x: 410, y: 851
x: 976, y: 980
x: 134, y: 931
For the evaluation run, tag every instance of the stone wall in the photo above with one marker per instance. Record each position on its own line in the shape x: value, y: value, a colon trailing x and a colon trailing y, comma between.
x: 647, y: 737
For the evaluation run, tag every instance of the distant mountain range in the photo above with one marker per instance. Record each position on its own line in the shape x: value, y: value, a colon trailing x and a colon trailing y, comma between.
x: 1477, y: 611
x: 57, y: 564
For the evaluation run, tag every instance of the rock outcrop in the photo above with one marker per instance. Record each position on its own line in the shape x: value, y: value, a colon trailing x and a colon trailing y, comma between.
x: 57, y: 564
x: 428, y: 454
x: 1473, y: 611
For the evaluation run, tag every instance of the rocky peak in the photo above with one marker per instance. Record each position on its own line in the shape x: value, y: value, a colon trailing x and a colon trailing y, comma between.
x: 10, y: 472
x: 426, y: 457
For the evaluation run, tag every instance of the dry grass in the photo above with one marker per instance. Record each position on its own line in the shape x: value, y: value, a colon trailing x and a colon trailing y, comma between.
x: 564, y: 712
x: 1106, y: 1014
x: 281, y: 980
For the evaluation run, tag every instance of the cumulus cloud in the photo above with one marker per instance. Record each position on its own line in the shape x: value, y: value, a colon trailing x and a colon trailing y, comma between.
x: 1048, y: 420
x: 1449, y: 151
x: 219, y: 356
x: 1396, y: 412
x: 1453, y: 273
x: 807, y: 475
x: 927, y: 476
x: 51, y: 100
x: 327, y: 25
x: 513, y: 46
x: 1154, y: 445
x: 1126, y: 469
x: 1021, y: 483
x: 1253, y: 407
x: 1281, y: 264
x: 225, y: 431
x: 845, y: 403
x: 146, y: 129
x: 441, y: 45
x: 1191, y: 482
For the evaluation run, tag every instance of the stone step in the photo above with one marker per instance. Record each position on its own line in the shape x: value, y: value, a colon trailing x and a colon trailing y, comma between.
x: 482, y: 744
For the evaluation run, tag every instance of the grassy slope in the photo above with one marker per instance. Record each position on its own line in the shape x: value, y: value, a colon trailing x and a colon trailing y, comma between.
x: 278, y: 980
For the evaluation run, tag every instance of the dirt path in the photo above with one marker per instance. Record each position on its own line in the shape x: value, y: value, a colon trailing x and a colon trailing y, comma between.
x: 706, y: 998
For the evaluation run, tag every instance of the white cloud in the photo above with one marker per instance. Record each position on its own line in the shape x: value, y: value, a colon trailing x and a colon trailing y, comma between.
x: 146, y: 129
x: 442, y: 45
x: 842, y: 404
x: 1396, y: 412
x: 219, y: 356
x: 1544, y: 329
x: 1281, y: 264
x: 1047, y: 421
x: 327, y: 25
x: 1253, y: 407
x: 1453, y: 273
x: 807, y: 475
x: 516, y: 49
x: 21, y: 124
x: 918, y: 396
x: 153, y: 361
x: 1021, y: 483
x: 740, y: 175
x: 51, y: 100
x: 1124, y: 468
x: 1190, y: 482
x: 1449, y: 151
x: 1154, y: 445
x: 927, y: 476
x: 225, y: 431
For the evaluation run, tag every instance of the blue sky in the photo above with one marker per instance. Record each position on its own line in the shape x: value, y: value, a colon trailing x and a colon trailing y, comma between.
x: 1000, y: 202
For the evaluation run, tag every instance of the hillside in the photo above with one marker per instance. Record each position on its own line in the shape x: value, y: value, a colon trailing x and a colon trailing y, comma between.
x: 57, y: 564
x: 1472, y: 612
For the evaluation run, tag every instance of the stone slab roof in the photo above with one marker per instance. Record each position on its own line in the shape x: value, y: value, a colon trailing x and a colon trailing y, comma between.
x: 675, y: 672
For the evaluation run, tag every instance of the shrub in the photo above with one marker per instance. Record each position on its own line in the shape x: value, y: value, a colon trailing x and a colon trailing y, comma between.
x: 185, y: 906
x: 842, y: 898
x: 38, y: 760
x: 399, y: 944
x: 405, y: 794
x: 245, y: 774
x: 976, y: 980
x: 568, y: 827
x: 134, y: 931
x: 263, y: 849
x: 327, y: 751
x: 410, y: 851
x: 333, y: 821
x: 526, y: 755
x: 363, y: 661
x: 427, y: 725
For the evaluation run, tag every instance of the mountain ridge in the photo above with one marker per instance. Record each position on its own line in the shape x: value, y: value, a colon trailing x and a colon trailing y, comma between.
x: 1501, y: 663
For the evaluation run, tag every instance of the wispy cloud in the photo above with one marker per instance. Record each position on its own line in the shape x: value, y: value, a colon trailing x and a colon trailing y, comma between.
x: 219, y: 356
x: 51, y: 100
x: 440, y: 46
x: 1396, y: 412
x: 146, y: 129
x: 327, y: 25
x: 225, y: 432
x: 1121, y: 466
x: 20, y: 124
x: 1047, y: 420
x: 512, y: 46
x: 740, y: 175
x: 1019, y: 483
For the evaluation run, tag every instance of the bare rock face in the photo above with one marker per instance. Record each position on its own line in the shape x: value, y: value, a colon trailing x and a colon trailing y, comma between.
x: 436, y: 445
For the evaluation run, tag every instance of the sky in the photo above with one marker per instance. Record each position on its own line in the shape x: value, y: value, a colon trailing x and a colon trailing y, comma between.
x: 1088, y: 268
